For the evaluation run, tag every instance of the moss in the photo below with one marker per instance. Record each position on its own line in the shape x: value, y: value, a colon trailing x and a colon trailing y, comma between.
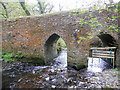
x: 69, y: 59
x: 107, y: 88
x: 77, y: 65
x: 38, y: 60
x: 50, y: 14
x: 81, y: 66
x: 28, y: 17
x: 82, y: 61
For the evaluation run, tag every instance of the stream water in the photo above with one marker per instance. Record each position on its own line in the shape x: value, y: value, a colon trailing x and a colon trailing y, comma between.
x: 25, y: 75
x: 97, y: 64
x: 61, y: 60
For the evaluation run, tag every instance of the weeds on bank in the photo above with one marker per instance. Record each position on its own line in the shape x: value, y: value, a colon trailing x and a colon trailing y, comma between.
x: 10, y: 57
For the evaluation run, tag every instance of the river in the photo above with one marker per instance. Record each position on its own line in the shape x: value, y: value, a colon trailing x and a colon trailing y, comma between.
x: 25, y: 75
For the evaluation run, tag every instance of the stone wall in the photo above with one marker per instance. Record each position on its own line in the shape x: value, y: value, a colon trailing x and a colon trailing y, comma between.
x: 29, y: 34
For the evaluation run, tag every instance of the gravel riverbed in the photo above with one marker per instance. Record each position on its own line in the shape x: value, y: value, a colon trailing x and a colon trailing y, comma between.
x: 23, y: 75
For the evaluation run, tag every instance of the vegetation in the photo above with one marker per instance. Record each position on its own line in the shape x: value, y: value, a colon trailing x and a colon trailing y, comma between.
x: 38, y: 60
x: 116, y: 69
x: 17, y: 9
x: 94, y: 23
x: 10, y: 57
x: 60, y: 44
x: 118, y: 75
x: 81, y: 66
x: 106, y: 87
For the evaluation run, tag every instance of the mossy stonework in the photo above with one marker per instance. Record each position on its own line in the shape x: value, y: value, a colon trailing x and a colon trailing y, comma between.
x: 29, y: 34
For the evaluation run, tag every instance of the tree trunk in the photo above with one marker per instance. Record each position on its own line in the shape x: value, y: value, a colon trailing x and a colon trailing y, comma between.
x: 6, y: 13
x: 24, y: 8
x: 40, y: 7
x: 111, y: 2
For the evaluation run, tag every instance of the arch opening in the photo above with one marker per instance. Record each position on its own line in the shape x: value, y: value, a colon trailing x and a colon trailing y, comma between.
x: 103, y: 53
x: 53, y: 49
x: 108, y: 41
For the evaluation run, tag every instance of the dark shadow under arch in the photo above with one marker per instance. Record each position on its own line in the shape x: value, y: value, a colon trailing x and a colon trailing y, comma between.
x: 104, y: 40
x: 50, y: 48
x: 107, y: 40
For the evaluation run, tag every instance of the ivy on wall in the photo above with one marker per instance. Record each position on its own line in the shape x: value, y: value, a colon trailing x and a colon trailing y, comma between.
x: 110, y: 14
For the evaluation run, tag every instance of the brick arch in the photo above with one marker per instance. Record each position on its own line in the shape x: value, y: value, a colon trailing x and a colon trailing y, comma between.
x: 50, y: 48
x: 109, y: 40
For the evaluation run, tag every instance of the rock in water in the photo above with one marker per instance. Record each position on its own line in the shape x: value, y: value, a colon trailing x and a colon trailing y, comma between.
x: 53, y: 86
x: 47, y: 79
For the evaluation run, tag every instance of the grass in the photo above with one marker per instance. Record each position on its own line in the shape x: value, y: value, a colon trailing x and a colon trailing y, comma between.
x: 116, y: 69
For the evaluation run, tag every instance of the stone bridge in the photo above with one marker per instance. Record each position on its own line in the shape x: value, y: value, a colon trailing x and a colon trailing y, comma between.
x: 37, y: 35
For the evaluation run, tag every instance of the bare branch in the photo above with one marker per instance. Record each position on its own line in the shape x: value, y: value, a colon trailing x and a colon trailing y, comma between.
x: 51, y: 8
x: 6, y: 13
x: 40, y: 7
x: 24, y: 8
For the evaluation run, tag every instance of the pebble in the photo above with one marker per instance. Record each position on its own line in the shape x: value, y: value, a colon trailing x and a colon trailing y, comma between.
x: 9, y: 68
x: 51, y: 70
x: 28, y: 80
x: 71, y: 86
x: 47, y: 78
x: 53, y: 86
x: 36, y: 84
x: 54, y: 80
x: 39, y: 81
x: 106, y: 78
x: 19, y: 80
x: 74, y: 82
x: 33, y: 72
x: 12, y: 76
x: 69, y: 79
x: 81, y: 83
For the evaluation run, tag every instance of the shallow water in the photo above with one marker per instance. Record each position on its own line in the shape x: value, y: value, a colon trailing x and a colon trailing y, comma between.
x: 97, y: 64
x: 26, y: 75
x: 61, y: 60
x: 43, y: 77
x: 23, y: 75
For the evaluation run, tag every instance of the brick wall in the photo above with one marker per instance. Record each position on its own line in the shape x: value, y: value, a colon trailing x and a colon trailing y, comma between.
x: 29, y: 34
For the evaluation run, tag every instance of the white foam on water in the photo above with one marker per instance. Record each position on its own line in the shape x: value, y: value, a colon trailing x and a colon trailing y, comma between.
x: 61, y: 60
x: 40, y: 67
x: 96, y: 64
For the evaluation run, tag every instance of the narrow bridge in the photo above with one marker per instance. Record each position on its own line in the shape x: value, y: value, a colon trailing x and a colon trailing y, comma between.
x: 37, y: 35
